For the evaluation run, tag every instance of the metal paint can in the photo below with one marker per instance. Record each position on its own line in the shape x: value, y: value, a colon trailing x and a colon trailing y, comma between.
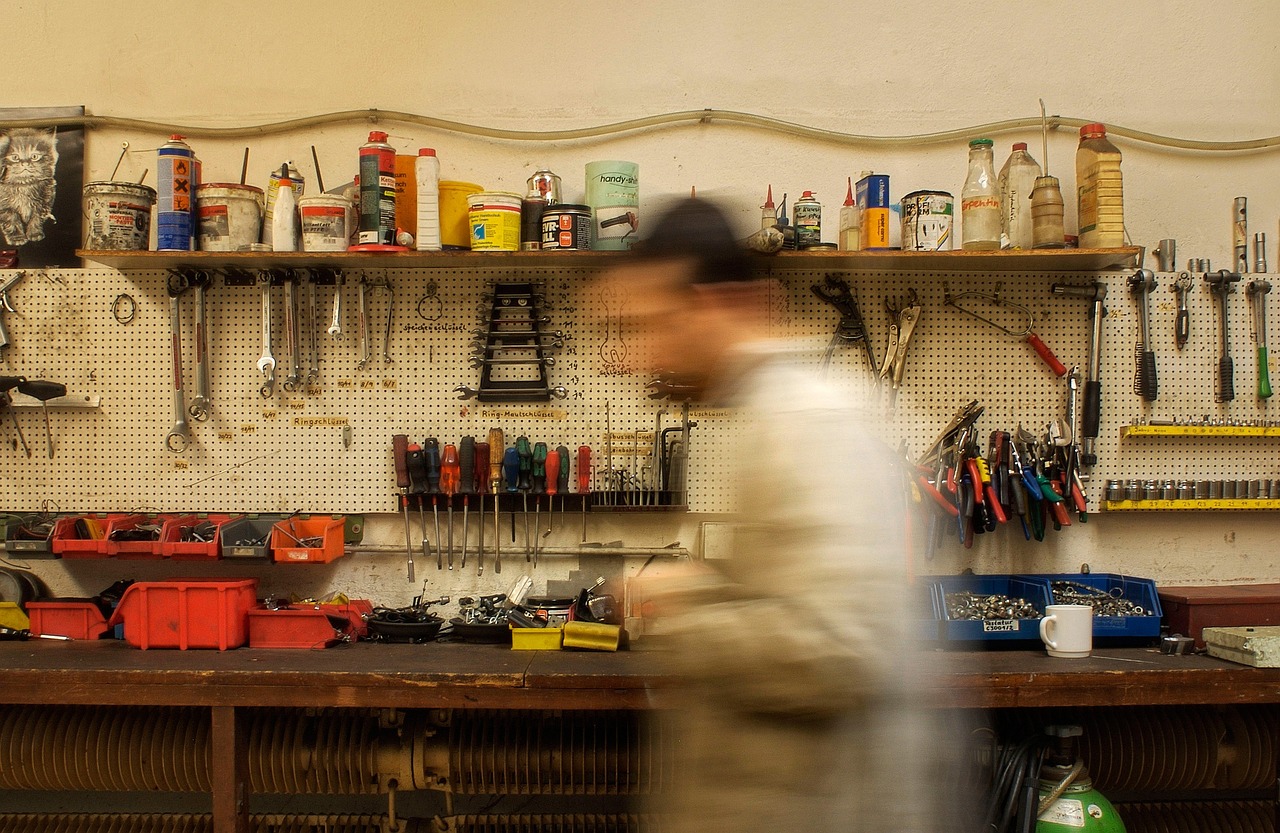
x: 927, y: 221
x: 175, y: 201
x: 494, y: 218
x: 566, y: 227
x: 326, y: 222
x: 230, y: 216
x: 119, y: 215
x: 613, y: 192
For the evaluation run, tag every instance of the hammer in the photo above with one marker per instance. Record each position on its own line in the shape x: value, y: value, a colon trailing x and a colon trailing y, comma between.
x: 1220, y: 284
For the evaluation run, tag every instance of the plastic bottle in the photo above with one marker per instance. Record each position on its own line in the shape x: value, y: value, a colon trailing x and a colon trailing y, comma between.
x: 1047, y: 231
x: 284, y: 219
x: 980, y: 200
x: 1099, y: 190
x: 850, y: 235
x: 427, y: 176
x: 768, y: 211
x: 807, y: 212
x: 1017, y: 180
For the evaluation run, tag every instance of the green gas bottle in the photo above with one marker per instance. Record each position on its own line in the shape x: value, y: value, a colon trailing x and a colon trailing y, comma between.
x: 1080, y: 808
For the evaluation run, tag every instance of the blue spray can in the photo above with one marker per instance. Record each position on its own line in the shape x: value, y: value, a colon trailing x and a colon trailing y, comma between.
x: 175, y: 223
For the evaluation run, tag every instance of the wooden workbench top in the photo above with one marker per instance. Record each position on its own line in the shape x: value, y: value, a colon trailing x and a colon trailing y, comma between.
x: 452, y: 675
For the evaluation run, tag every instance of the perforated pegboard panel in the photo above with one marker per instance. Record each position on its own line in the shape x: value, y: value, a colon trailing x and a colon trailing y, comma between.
x: 289, y: 452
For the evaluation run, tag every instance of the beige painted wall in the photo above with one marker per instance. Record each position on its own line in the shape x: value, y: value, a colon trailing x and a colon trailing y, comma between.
x: 1190, y: 69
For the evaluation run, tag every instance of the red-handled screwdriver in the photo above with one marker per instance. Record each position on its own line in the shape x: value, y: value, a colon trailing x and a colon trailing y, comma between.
x: 450, y: 470
x: 417, y: 463
x: 584, y: 484
x: 481, y: 477
x: 432, y: 455
x: 553, y: 486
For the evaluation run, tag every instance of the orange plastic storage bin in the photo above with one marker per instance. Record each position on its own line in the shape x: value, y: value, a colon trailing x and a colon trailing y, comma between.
x: 68, y: 541
x: 187, y: 613
x: 175, y: 528
x: 132, y: 549
x: 76, y: 619
x: 303, y: 627
x: 286, y: 535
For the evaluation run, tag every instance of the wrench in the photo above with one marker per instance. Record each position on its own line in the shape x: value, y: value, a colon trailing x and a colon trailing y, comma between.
x: 335, y: 325
x: 464, y: 392
x: 266, y: 364
x: 313, y: 371
x: 294, y: 379
x: 177, y: 439
x: 201, y: 404
x: 362, y: 316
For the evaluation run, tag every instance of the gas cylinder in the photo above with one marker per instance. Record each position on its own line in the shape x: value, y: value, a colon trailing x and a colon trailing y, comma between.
x: 1080, y: 808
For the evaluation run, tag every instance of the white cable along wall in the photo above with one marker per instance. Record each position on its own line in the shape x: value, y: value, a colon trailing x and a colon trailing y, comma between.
x: 329, y: 448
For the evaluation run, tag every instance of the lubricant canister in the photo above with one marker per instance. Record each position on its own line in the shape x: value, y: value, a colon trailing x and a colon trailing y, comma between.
x: 177, y: 181
x: 566, y: 226
x: 807, y: 217
x: 377, y: 191
x: 296, y: 182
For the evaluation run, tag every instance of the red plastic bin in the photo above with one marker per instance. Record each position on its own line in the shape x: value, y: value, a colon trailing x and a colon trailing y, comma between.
x: 171, y: 545
x: 132, y: 549
x: 76, y: 619
x: 67, y: 544
x: 308, y: 627
x: 286, y: 534
x: 187, y: 613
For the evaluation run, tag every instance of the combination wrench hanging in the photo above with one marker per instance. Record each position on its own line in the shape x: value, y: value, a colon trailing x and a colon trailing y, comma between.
x: 176, y: 440
x: 266, y: 364
x: 362, y: 310
x: 201, y: 404
x: 294, y: 379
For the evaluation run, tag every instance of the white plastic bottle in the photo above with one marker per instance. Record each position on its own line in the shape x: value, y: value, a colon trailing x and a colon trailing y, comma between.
x: 850, y: 235
x: 427, y: 172
x: 1017, y: 180
x: 980, y: 200
x: 284, y: 218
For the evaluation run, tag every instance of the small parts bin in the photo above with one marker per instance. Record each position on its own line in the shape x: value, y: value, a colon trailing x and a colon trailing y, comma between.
x: 77, y: 619
x: 133, y: 536
x: 247, y: 539
x: 292, y: 539
x: 187, y: 613
x: 30, y: 535
x: 318, y: 626
x: 81, y: 536
x: 180, y: 536
x: 536, y: 639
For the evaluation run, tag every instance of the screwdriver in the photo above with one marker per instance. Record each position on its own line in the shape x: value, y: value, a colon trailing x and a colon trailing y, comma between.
x: 525, y: 484
x: 562, y: 479
x: 537, y: 485
x: 432, y: 453
x: 417, y: 465
x: 495, y: 481
x: 480, y: 478
x: 553, y: 486
x: 400, y: 448
x: 449, y: 471
x: 584, y: 484
x: 511, y: 471
x: 466, y: 484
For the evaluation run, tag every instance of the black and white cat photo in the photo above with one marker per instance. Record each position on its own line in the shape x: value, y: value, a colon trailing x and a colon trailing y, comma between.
x: 28, y: 158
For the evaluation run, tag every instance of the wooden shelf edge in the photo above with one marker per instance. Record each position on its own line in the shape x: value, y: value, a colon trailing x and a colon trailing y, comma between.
x: 1041, y: 260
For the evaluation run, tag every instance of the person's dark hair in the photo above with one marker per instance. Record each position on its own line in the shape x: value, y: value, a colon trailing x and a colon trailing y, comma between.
x: 697, y: 229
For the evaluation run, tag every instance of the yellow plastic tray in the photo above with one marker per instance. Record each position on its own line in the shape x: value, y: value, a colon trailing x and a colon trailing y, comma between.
x: 11, y: 616
x: 536, y: 639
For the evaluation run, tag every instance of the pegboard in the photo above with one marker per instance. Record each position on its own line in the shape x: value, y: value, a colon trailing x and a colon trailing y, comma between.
x: 328, y: 447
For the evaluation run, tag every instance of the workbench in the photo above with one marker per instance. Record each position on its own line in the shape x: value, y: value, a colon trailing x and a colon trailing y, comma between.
x: 461, y: 676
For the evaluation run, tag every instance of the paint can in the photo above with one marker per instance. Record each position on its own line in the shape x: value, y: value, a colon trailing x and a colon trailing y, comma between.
x: 377, y: 191
x: 177, y: 179
x: 119, y: 215
x: 927, y: 221
x: 454, y: 231
x: 326, y: 223
x: 230, y: 216
x: 566, y: 227
x: 613, y: 192
x: 494, y: 218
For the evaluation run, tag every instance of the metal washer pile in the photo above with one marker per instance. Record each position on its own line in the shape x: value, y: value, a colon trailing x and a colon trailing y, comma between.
x: 982, y: 606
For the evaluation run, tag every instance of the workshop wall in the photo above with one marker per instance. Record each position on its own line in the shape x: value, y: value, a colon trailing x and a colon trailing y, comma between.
x: 1182, y: 69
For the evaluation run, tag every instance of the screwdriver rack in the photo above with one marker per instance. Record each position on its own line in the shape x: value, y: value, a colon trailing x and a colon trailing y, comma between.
x: 327, y: 447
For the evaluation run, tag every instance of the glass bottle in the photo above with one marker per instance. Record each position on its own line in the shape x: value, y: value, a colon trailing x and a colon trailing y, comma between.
x: 980, y: 200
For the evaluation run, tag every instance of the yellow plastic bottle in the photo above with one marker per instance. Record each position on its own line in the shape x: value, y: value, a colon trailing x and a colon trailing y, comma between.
x: 1099, y: 190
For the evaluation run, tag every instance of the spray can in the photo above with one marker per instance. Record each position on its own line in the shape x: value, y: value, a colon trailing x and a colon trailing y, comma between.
x: 176, y: 174
x: 377, y: 191
x: 543, y: 190
x: 807, y: 212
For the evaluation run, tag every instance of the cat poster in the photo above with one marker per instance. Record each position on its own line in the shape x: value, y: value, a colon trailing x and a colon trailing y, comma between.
x: 41, y: 180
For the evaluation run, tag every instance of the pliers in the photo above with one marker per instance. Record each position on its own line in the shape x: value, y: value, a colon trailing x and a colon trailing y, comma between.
x: 835, y: 291
x: 902, y: 325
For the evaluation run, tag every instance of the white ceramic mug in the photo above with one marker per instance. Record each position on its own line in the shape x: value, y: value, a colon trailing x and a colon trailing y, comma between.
x: 1067, y: 630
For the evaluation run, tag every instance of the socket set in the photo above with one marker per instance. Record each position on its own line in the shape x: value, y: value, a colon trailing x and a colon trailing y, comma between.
x: 1184, y: 489
x: 1205, y: 421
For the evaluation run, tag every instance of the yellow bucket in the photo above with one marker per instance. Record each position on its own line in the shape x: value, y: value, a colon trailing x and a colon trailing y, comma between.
x: 455, y: 230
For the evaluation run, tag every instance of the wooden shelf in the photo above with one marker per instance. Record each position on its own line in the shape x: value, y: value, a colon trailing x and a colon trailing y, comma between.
x: 1042, y: 260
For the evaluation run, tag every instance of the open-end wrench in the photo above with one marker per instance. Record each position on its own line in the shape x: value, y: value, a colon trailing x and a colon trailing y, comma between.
x: 313, y: 369
x: 201, y: 404
x: 177, y: 439
x: 335, y: 323
x: 362, y: 318
x: 1220, y: 283
x: 294, y: 379
x: 266, y: 364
